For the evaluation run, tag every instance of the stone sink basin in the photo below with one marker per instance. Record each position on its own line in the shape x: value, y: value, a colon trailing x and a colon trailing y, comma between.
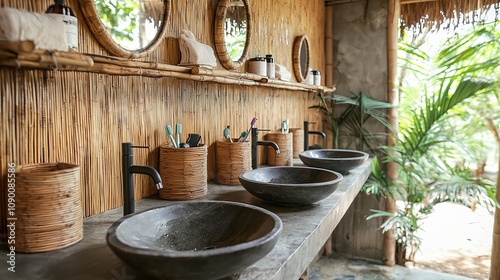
x: 334, y: 159
x: 290, y: 185
x: 195, y: 240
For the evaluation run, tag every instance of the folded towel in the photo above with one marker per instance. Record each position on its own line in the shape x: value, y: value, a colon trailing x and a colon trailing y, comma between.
x: 45, y: 30
x: 195, y: 53
x: 282, y: 73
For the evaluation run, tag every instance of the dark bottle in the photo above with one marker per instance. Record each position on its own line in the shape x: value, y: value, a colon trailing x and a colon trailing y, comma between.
x: 70, y: 22
x: 270, y: 66
x: 59, y: 8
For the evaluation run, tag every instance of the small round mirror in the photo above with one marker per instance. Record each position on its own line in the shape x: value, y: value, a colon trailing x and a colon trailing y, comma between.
x: 232, y: 32
x: 300, y: 58
x: 131, y: 28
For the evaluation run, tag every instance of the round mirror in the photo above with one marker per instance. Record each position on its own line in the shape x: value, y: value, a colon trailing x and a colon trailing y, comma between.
x: 232, y: 32
x: 130, y: 28
x: 300, y: 58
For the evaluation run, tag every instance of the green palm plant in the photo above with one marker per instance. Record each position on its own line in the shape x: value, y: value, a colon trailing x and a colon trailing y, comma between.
x: 358, y: 109
x: 426, y: 174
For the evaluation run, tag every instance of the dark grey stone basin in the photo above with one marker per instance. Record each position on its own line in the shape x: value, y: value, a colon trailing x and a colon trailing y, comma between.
x: 334, y: 159
x: 195, y: 240
x: 290, y: 185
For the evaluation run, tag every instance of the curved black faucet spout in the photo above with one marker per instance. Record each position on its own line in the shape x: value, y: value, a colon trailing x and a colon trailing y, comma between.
x: 256, y: 142
x: 269, y: 144
x: 128, y: 168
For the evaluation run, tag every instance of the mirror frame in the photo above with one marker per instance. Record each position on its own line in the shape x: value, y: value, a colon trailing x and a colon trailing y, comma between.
x: 219, y: 34
x: 297, y: 44
x: 104, y: 38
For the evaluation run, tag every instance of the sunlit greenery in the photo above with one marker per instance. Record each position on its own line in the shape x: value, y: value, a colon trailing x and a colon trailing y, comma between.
x: 126, y: 23
x: 119, y: 17
x: 449, y: 107
x: 235, y: 38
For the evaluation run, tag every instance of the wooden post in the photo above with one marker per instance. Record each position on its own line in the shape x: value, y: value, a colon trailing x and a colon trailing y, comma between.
x: 495, y: 247
x: 393, y: 14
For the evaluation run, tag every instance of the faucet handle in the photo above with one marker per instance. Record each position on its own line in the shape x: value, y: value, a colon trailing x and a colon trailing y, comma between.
x: 307, y: 123
x: 255, y: 131
x: 127, y: 148
x: 142, y: 147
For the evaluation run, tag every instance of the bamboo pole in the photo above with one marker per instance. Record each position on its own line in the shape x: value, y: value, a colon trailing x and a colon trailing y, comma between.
x: 234, y: 74
x: 17, y: 46
x: 495, y: 247
x: 393, y: 98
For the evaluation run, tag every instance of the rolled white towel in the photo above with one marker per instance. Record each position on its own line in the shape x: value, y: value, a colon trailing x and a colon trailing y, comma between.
x: 195, y: 53
x: 45, y: 30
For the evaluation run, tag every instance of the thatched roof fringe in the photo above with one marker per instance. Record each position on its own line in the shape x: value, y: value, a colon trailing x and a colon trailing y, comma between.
x: 448, y: 14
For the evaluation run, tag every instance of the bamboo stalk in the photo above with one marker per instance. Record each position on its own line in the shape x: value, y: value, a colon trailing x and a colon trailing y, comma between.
x: 392, y: 97
x: 226, y: 73
x: 17, y: 46
x: 495, y: 248
x: 139, y: 64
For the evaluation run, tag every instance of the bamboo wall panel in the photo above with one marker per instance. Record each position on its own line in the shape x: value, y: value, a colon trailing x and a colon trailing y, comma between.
x: 82, y: 118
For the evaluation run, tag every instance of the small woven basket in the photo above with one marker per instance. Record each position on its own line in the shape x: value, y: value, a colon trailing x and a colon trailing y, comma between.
x: 298, y: 141
x: 183, y: 172
x: 232, y: 159
x: 285, y: 143
x: 48, y: 207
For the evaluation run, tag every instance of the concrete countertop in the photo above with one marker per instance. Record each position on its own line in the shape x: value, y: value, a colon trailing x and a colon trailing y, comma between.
x: 305, y: 230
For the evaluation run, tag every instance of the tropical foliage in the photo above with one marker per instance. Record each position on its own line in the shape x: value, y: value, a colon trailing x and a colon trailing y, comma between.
x: 447, y: 102
x: 347, y: 116
x: 119, y: 17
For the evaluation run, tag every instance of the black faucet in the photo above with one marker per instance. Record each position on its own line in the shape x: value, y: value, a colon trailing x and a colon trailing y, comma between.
x: 255, y: 142
x: 128, y: 168
x: 306, y: 136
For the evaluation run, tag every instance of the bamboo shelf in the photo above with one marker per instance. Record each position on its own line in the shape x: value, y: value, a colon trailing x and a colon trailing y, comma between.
x: 22, y: 55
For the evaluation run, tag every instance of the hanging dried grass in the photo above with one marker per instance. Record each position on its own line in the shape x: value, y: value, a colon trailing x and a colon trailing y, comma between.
x: 418, y: 14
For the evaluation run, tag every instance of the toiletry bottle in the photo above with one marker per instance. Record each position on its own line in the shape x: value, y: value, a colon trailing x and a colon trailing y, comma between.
x: 70, y: 22
x: 316, y: 77
x: 257, y: 65
x: 271, y: 71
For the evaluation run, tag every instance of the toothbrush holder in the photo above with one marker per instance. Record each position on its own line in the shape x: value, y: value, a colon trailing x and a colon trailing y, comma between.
x: 298, y: 141
x: 232, y: 159
x: 49, y: 209
x: 285, y: 142
x: 183, y: 172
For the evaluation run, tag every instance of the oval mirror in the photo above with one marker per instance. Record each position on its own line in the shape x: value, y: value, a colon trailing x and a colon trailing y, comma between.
x: 300, y: 58
x: 130, y: 28
x: 232, y: 32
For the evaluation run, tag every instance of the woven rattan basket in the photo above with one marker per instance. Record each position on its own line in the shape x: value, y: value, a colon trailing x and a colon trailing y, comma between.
x: 298, y: 141
x: 48, y: 207
x: 183, y: 172
x: 285, y: 143
x: 232, y: 159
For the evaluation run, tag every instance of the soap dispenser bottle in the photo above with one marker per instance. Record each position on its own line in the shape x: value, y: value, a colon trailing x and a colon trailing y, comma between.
x: 271, y: 70
x: 70, y: 22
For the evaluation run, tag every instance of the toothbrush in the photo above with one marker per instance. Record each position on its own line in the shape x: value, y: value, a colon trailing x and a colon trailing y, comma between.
x: 252, y: 123
x: 227, y: 134
x: 242, y: 136
x: 178, y: 131
x: 283, y: 127
x: 168, y: 128
x: 287, y: 125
